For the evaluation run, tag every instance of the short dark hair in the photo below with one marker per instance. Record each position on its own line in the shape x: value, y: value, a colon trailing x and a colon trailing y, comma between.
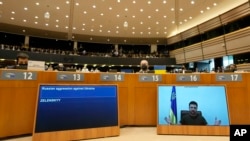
x: 193, y: 103
x: 22, y: 55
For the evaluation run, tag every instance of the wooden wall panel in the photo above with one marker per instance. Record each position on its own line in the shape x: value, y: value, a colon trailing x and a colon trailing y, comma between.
x: 137, y: 100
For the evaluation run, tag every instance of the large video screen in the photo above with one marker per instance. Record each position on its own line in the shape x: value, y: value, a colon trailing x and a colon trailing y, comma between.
x: 67, y: 107
x: 192, y: 105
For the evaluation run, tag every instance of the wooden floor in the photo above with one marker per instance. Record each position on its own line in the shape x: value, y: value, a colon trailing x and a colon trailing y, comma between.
x: 144, y: 134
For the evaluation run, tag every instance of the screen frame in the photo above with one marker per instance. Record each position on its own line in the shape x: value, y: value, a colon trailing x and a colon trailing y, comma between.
x: 116, y: 129
x: 193, y: 129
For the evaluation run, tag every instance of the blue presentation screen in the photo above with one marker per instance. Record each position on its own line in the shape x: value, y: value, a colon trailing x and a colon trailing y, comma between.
x: 212, y: 102
x: 67, y: 107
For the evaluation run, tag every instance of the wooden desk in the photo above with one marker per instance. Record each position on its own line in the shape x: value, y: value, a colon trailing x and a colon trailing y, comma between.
x: 137, y: 100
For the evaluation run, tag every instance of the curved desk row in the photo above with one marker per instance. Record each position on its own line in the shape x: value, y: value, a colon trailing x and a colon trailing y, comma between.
x: 137, y: 96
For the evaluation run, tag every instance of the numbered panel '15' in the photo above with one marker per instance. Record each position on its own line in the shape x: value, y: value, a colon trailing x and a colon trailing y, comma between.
x: 18, y: 75
x: 61, y: 76
x: 150, y: 78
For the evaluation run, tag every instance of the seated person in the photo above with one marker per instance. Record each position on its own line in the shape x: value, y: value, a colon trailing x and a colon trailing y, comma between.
x: 193, y: 118
x: 144, y: 66
x: 60, y: 67
x: 22, y: 58
x: 21, y: 61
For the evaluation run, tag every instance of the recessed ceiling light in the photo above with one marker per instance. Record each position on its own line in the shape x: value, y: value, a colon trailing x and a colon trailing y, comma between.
x: 133, y: 32
x: 133, y: 16
x: 91, y: 38
x: 91, y: 30
x: 165, y: 27
x: 141, y: 22
x: 126, y: 9
x: 172, y: 9
x: 141, y: 10
x: 165, y: 32
x: 156, y: 10
x: 25, y: 8
x: 149, y: 28
x: 24, y: 20
x: 165, y: 16
x: 117, y: 27
x: 74, y: 28
x: 110, y: 8
x: 66, y: 27
x: 164, y: 2
x: 12, y: 18
x: 92, y: 20
x: 208, y: 8
x: 173, y: 22
x: 149, y: 32
x: 157, y: 32
x: 57, y: 7
x: 100, y: 25
x: 83, y: 24
x: 149, y: 17
x: 36, y: 17
x: 67, y: 16
x: 181, y: 9
x: 84, y: 12
x: 202, y: 11
x: 190, y: 18
x: 37, y: 3
x: 57, y: 21
x: 117, y: 16
x: 185, y: 20
x: 157, y: 22
x: 77, y: 4
x: 117, y: 32
x: 100, y: 30
x: 141, y: 32
x: 125, y: 40
x: 57, y: 26
x: 24, y: 30
x: 67, y: 2
x: 13, y: 12
x: 134, y: 2
x: 1, y: 2
x: 36, y: 22
x: 215, y: 4
x: 109, y: 31
x: 101, y: 14
x: 133, y: 28
x: 192, y: 2
x: 83, y: 28
x: 46, y: 24
x: 149, y: 2
x: 94, y: 6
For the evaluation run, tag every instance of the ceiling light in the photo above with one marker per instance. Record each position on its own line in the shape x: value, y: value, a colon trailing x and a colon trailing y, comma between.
x: 77, y: 4
x: 67, y: 2
x: 37, y: 3
x: 164, y: 2
x: 134, y: 2
x: 13, y: 12
x: 46, y: 15
x: 192, y: 2
x: 94, y: 6
x: 208, y: 8
x: 215, y: 4
x: 12, y: 18
x: 57, y: 7
x: 125, y: 24
x: 25, y: 8
x: 36, y: 22
x: 1, y: 2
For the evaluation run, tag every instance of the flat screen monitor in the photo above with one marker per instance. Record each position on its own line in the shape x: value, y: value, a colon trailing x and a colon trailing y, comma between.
x: 69, y: 107
x: 173, y: 103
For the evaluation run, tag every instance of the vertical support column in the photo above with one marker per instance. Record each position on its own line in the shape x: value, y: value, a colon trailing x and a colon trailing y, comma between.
x: 75, y: 48
x: 26, y: 41
x: 153, y: 48
x: 116, y: 47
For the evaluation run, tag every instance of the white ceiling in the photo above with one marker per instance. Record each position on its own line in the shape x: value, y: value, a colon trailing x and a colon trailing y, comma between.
x: 149, y: 21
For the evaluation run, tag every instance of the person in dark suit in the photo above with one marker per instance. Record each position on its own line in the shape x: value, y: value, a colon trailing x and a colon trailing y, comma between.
x: 22, y: 58
x: 193, y: 118
x: 144, y: 66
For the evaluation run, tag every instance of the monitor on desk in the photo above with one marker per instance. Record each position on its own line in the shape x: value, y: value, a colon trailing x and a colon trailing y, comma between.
x: 71, y: 107
x: 211, y: 99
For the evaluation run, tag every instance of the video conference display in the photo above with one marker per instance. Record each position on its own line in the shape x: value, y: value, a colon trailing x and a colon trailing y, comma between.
x: 175, y: 99
x: 67, y: 107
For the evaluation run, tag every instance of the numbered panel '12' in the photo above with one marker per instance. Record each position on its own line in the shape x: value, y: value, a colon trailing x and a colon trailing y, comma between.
x: 18, y: 75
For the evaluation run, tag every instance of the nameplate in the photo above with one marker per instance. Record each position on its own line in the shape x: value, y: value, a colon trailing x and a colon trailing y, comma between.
x: 150, y: 78
x: 18, y: 75
x: 61, y: 76
x: 229, y: 77
x: 187, y: 77
x: 111, y: 77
